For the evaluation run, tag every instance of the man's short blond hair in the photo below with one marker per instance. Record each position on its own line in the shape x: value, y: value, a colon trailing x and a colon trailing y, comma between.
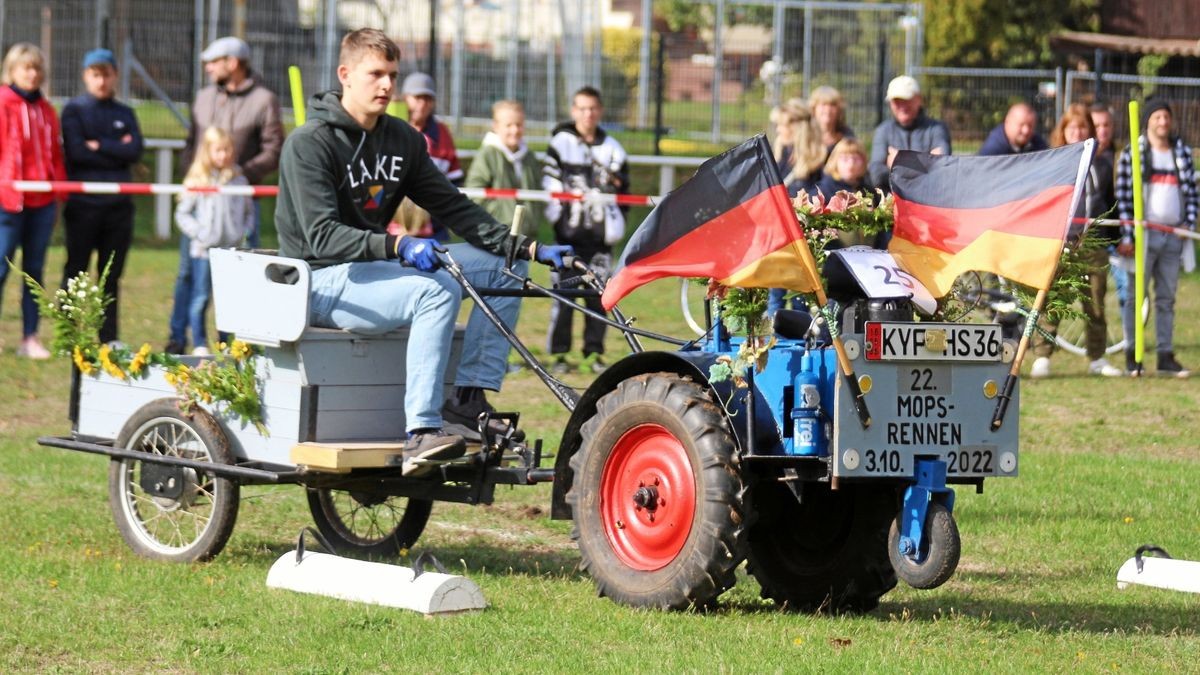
x: 21, y: 53
x: 356, y: 45
x: 507, y: 104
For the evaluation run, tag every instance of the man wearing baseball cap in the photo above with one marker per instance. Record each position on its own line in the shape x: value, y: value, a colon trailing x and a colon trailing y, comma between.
x: 238, y: 103
x: 420, y: 96
x: 908, y: 129
x: 101, y: 141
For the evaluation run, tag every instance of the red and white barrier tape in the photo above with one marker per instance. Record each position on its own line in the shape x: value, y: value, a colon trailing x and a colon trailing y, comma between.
x: 1180, y: 231
x: 87, y: 187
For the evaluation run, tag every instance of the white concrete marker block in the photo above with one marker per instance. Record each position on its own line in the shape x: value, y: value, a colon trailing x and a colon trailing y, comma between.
x: 375, y: 583
x: 1176, y: 575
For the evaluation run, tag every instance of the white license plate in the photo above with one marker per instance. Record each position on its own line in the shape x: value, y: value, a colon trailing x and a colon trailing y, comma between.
x: 886, y: 341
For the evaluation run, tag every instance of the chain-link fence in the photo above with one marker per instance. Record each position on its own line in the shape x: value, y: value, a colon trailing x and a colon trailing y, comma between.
x: 1115, y: 91
x: 972, y: 101
x: 719, y: 75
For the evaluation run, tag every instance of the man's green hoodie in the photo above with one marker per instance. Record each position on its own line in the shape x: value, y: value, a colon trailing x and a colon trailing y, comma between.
x: 340, y: 185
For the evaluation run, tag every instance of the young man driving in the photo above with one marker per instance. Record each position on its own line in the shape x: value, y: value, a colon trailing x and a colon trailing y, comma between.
x: 342, y: 176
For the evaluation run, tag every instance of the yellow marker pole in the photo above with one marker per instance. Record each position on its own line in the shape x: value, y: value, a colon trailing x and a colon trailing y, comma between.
x: 297, y: 94
x: 1139, y: 235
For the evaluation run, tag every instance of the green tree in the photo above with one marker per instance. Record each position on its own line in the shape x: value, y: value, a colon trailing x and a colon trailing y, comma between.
x: 1002, y: 33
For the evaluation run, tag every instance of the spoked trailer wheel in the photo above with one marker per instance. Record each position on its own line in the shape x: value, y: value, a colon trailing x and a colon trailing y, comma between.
x: 167, y: 512
x: 368, y: 524
x: 657, y: 497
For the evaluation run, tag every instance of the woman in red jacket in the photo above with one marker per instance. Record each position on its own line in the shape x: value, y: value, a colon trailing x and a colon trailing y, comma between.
x: 30, y: 149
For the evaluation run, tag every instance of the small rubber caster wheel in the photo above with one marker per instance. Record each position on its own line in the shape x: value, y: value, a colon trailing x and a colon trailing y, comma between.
x: 935, y: 563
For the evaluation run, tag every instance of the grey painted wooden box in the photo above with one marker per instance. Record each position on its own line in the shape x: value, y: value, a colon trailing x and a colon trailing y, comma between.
x: 317, y: 384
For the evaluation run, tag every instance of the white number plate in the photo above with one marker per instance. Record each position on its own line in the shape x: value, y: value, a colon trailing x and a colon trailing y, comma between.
x: 887, y: 341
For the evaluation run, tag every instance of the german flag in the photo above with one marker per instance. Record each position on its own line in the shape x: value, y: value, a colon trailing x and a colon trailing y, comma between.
x: 732, y: 221
x: 1007, y: 215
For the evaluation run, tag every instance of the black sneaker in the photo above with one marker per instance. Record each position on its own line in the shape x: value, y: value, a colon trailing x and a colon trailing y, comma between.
x: 1168, y: 366
x: 465, y: 407
x: 175, y: 347
x: 431, y: 445
x: 1131, y: 365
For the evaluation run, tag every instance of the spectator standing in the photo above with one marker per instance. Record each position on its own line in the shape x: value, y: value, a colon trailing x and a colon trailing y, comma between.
x: 798, y: 149
x: 829, y: 112
x: 1075, y: 126
x: 101, y: 141
x: 210, y: 221
x: 1017, y: 134
x: 908, y: 129
x: 1102, y: 119
x: 582, y: 158
x: 343, y: 175
x: 420, y: 97
x: 1169, y: 189
x: 30, y: 149
x: 236, y: 102
x: 505, y: 161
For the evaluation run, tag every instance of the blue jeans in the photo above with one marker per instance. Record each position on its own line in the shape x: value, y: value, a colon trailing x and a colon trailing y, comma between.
x: 198, y: 304
x: 30, y: 229
x: 380, y: 296
x: 485, y: 353
x: 775, y: 301
x: 183, y: 293
x: 1163, y: 250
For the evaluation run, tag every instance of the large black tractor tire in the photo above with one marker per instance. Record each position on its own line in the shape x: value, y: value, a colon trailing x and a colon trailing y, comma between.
x: 658, y: 500
x: 940, y: 557
x: 171, y: 513
x: 368, y: 525
x: 826, y: 553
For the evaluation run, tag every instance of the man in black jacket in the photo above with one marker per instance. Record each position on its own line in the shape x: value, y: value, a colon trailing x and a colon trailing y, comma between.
x: 342, y: 176
x: 101, y: 141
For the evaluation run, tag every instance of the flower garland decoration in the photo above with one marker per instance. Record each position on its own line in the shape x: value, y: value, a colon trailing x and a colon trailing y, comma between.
x: 744, y: 309
x: 227, y: 380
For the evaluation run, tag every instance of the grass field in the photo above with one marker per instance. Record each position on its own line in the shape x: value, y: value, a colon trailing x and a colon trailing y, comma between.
x: 1107, y: 466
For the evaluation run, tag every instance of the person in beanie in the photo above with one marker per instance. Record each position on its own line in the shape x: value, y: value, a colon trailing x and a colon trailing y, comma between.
x: 101, y: 141
x: 1169, y: 192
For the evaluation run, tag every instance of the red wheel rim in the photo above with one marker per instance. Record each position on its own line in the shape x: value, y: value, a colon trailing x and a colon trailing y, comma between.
x: 647, y: 497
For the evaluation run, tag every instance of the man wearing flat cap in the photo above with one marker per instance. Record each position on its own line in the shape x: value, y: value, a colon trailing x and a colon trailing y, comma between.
x: 101, y: 141
x: 238, y: 103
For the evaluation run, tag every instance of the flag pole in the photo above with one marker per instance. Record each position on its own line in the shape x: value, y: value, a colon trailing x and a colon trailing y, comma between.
x: 839, y: 347
x: 1139, y: 235
x: 1010, y: 382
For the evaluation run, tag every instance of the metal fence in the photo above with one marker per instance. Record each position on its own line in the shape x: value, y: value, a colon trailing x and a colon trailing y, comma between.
x: 1117, y: 90
x: 972, y: 101
x: 719, y: 77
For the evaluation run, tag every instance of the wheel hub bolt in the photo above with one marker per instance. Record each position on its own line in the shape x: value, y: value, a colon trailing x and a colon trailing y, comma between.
x: 907, y: 546
x: 646, y: 498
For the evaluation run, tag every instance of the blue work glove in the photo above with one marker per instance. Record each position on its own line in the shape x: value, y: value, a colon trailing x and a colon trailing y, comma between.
x: 552, y: 254
x: 420, y: 253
